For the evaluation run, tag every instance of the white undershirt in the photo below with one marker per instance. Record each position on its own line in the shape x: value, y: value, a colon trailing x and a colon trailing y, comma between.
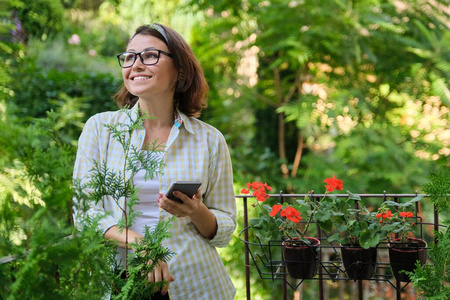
x: 148, y: 202
x: 147, y: 205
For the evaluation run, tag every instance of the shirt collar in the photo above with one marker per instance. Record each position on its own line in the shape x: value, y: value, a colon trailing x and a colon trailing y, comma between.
x: 182, y: 119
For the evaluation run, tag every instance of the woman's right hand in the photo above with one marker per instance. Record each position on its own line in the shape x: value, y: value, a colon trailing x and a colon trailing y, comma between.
x: 161, y: 272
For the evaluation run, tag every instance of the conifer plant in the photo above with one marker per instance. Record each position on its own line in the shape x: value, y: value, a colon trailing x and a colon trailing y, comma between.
x: 148, y: 251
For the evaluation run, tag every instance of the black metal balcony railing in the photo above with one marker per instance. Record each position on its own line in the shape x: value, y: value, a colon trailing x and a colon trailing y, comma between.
x: 329, y: 269
x: 267, y: 260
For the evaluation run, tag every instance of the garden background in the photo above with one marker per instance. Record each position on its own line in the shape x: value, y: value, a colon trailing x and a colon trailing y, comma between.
x: 302, y: 90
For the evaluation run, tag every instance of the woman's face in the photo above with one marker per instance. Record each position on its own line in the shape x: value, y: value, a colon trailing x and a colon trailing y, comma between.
x: 149, y: 81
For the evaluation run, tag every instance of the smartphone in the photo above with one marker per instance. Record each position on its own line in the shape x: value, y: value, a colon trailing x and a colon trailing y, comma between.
x: 186, y: 187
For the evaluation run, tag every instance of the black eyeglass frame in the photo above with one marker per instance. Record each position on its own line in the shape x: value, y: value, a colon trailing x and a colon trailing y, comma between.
x: 140, y: 57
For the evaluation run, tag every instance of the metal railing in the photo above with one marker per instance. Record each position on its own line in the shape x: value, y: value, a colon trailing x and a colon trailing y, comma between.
x: 274, y: 269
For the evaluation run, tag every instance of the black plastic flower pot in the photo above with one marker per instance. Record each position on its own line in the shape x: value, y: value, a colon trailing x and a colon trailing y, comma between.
x: 403, y: 257
x: 301, y: 259
x: 359, y: 263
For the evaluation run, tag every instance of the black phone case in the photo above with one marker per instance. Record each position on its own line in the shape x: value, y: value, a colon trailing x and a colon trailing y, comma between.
x: 186, y: 187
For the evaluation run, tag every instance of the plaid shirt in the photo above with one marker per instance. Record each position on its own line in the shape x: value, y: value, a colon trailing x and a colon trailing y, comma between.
x: 195, y: 151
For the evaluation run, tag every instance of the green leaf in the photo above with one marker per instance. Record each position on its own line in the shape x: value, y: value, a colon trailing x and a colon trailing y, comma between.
x: 367, y: 240
x: 397, y: 204
x: 337, y: 238
x: 265, y: 237
x: 337, y: 214
x: 324, y: 216
x: 302, y: 202
x: 342, y: 228
x: 256, y: 223
x: 326, y: 225
x: 352, y: 196
x: 267, y: 207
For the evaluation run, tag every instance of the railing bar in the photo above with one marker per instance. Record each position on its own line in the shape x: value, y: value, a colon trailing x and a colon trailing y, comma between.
x: 340, y: 195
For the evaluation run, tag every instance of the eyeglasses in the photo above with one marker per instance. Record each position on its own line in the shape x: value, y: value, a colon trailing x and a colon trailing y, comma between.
x: 148, y: 57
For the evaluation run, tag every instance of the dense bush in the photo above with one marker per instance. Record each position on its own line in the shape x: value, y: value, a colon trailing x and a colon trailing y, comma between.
x: 77, y: 96
x: 39, y: 90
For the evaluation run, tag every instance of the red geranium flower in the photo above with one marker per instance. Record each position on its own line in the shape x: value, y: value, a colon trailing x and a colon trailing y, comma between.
x: 245, y: 191
x: 406, y: 214
x: 333, y: 184
x: 275, y: 209
x: 386, y: 215
x: 259, y: 190
x: 291, y: 214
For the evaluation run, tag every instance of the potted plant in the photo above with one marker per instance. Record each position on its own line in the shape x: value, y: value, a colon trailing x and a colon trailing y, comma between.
x: 404, y: 249
x: 358, y: 235
x: 283, y: 221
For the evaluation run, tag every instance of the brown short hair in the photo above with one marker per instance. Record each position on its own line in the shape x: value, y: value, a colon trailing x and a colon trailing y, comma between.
x: 192, y: 88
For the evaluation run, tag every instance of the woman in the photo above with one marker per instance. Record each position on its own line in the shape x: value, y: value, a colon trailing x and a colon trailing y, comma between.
x: 163, y: 79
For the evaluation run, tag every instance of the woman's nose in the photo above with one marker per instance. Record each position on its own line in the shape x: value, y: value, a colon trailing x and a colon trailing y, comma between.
x: 138, y: 65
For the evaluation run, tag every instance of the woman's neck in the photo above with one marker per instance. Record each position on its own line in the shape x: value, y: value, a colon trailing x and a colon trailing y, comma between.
x: 161, y: 113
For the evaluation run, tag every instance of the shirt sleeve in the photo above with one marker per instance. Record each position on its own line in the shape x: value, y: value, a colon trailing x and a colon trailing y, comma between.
x: 88, y: 154
x: 219, y: 196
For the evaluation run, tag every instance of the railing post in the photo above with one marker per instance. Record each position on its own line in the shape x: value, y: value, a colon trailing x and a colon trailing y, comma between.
x: 397, y: 282
x: 283, y: 268
x: 246, y: 251
x: 319, y: 234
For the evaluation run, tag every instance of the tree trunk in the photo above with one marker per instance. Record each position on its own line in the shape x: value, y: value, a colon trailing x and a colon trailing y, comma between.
x: 298, y: 155
x: 281, y: 125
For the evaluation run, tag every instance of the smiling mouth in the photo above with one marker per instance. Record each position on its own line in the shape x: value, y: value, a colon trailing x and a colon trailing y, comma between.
x: 141, y: 78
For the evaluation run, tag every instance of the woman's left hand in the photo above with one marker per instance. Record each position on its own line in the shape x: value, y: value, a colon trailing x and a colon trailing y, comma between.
x: 189, y: 207
x: 194, y: 208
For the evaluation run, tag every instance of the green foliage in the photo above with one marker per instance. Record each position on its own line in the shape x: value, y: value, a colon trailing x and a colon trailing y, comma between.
x: 337, y: 62
x: 265, y: 228
x: 354, y: 226
x: 119, y: 185
x: 58, y: 54
x: 46, y: 161
x: 369, y: 84
x: 146, y: 250
x: 55, y: 261
x: 40, y: 18
x: 432, y: 280
x: 38, y: 90
x: 357, y: 226
x: 45, y: 256
x: 361, y: 96
x: 438, y: 188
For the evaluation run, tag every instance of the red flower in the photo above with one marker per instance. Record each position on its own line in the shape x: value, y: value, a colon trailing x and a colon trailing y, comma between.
x: 259, y: 190
x: 333, y: 184
x: 260, y: 194
x: 255, y: 185
x: 291, y: 214
x: 387, y: 214
x: 275, y: 209
x: 406, y: 214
